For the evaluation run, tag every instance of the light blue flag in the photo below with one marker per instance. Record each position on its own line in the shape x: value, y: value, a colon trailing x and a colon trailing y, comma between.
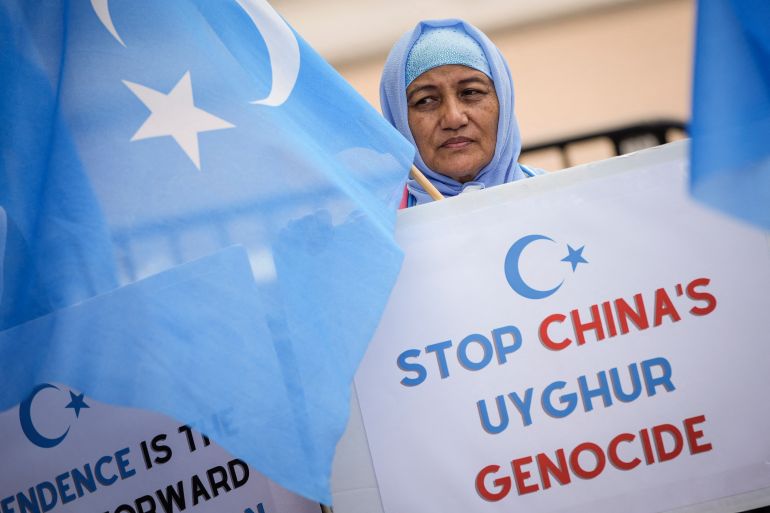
x: 731, y: 108
x: 196, y: 216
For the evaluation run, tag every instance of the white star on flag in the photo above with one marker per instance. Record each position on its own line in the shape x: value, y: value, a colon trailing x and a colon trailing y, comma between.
x: 175, y: 114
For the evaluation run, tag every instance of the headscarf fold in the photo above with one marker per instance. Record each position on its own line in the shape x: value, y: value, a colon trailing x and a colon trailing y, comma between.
x: 503, y: 167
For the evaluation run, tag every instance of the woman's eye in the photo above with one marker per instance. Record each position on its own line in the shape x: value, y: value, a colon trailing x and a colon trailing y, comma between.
x: 471, y: 92
x: 427, y: 100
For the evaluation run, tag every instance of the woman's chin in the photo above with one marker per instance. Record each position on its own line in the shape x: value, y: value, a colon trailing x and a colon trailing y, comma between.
x: 460, y: 171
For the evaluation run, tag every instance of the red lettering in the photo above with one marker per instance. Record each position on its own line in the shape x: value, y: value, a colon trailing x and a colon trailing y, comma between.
x: 595, y: 325
x: 649, y: 458
x: 520, y: 475
x: 664, y: 306
x: 693, y: 435
x: 547, y: 467
x: 559, y: 468
x: 612, y: 452
x: 574, y: 460
x: 711, y: 301
x: 660, y: 446
x: 503, y: 483
x: 609, y: 319
x: 626, y: 313
x: 546, y: 340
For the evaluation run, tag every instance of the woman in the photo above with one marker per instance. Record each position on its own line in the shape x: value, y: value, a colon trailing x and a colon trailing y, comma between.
x: 447, y: 88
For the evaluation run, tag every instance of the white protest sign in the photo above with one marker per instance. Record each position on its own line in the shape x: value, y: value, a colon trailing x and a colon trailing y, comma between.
x: 64, y: 452
x: 594, y: 341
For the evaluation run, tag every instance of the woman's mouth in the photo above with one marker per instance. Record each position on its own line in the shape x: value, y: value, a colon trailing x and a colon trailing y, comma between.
x: 456, y: 142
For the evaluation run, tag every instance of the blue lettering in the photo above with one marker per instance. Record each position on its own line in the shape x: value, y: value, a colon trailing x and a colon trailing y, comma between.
x: 602, y: 391
x: 664, y: 380
x: 63, y: 487
x: 123, y: 463
x: 439, y: 349
x: 7, y: 505
x: 28, y: 504
x: 411, y: 367
x: 570, y: 400
x: 462, y: 352
x: 104, y: 480
x: 484, y: 416
x: 82, y: 481
x: 497, y: 336
x: 50, y: 503
x: 633, y: 371
x: 524, y: 407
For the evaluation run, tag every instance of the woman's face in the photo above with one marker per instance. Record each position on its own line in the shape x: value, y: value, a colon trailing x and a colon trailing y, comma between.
x: 452, y: 112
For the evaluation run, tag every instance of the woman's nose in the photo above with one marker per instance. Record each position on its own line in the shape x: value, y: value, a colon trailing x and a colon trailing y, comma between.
x: 453, y: 115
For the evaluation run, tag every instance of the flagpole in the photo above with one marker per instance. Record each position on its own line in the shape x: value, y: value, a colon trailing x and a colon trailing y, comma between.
x: 425, y: 184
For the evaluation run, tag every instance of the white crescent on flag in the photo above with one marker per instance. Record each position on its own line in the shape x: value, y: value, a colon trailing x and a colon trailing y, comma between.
x: 102, y: 10
x: 282, y: 45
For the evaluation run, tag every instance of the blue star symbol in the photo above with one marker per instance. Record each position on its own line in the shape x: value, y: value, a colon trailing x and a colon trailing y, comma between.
x: 575, y: 257
x: 77, y: 403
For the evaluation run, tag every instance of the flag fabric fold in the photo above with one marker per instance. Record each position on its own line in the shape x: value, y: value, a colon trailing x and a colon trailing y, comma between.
x: 135, y: 343
x: 730, y: 127
x: 197, y: 216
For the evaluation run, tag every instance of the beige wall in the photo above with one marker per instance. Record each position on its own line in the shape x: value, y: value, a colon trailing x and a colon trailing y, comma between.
x: 595, y: 70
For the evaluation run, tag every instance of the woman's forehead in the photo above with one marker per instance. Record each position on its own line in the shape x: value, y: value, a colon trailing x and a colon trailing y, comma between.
x: 448, y: 75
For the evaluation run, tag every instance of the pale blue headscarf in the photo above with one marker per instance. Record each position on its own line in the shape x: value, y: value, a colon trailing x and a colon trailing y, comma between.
x: 438, y: 46
x: 503, y: 167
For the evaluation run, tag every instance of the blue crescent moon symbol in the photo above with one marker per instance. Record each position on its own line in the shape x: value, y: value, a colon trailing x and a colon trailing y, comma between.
x: 513, y: 273
x: 25, y: 416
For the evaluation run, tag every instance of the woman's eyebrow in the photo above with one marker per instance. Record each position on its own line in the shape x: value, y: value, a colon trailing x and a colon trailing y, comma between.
x: 416, y: 90
x: 473, y: 79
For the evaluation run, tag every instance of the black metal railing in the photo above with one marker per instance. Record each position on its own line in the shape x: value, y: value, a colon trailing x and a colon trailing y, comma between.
x: 622, y: 139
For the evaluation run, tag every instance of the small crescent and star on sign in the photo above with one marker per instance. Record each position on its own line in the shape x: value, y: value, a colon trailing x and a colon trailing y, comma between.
x: 77, y: 404
x: 513, y: 269
x: 174, y: 114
